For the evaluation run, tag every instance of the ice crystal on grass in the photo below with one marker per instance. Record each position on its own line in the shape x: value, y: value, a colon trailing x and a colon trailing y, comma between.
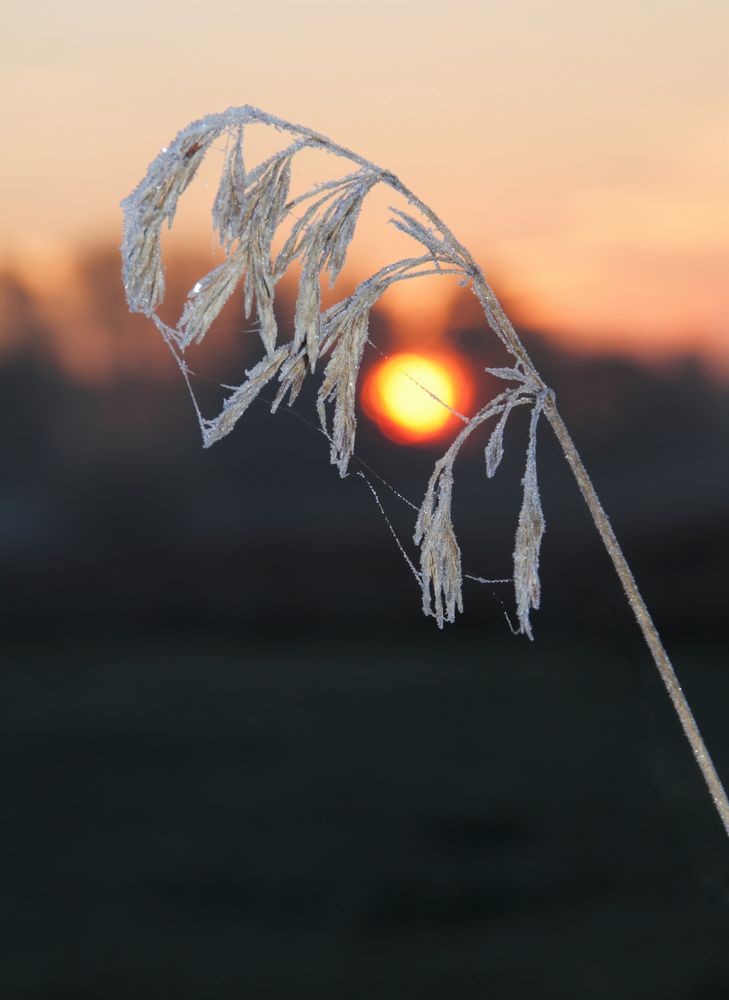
x: 334, y: 233
x: 235, y: 405
x: 247, y: 212
x: 346, y: 327
x: 441, y: 577
x: 250, y: 209
x: 416, y: 230
x: 207, y: 299
x: 230, y: 201
x: 291, y: 376
x: 529, y: 532
x: 150, y: 205
x: 495, y: 446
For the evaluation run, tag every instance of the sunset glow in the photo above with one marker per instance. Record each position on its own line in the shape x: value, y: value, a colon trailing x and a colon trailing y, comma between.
x: 411, y: 396
x: 596, y: 202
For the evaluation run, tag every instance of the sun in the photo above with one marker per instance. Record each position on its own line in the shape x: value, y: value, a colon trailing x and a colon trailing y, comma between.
x: 411, y: 396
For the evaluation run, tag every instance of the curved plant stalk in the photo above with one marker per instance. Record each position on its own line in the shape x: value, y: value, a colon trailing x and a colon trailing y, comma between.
x: 248, y: 211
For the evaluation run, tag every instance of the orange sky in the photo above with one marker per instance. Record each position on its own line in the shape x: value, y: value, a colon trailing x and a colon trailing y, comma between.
x: 579, y: 150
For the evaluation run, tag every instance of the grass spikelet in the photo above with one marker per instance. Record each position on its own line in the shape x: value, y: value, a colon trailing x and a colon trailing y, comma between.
x: 529, y: 532
x: 438, y: 249
x: 307, y: 320
x: 152, y: 203
x: 340, y: 380
x: 440, y: 557
x: 338, y: 225
x: 236, y: 404
x: 230, y: 201
x: 259, y: 279
x: 265, y: 208
x: 495, y: 447
x: 302, y: 231
x: 207, y: 299
x: 291, y: 376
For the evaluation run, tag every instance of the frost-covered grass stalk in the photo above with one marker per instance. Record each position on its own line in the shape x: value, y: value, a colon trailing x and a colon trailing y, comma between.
x: 248, y: 211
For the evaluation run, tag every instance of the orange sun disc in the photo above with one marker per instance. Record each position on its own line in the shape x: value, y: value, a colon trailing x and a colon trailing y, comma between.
x: 411, y: 396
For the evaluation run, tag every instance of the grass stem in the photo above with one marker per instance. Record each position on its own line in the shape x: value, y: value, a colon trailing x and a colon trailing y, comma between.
x: 247, y: 211
x: 642, y: 616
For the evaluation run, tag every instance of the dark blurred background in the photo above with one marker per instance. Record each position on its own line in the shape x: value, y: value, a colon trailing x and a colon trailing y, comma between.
x: 240, y: 762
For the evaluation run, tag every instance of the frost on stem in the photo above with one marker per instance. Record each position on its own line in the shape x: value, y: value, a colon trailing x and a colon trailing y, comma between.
x: 249, y: 210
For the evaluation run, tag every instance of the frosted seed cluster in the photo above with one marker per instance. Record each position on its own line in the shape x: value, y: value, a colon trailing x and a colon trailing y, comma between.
x: 249, y: 209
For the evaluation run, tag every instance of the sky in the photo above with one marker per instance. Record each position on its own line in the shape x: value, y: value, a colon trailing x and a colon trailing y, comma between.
x: 579, y: 150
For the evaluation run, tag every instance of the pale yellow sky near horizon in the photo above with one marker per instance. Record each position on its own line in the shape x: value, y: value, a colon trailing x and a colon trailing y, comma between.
x: 578, y: 149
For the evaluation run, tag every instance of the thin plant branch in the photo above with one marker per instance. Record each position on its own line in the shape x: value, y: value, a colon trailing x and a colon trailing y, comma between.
x: 250, y: 209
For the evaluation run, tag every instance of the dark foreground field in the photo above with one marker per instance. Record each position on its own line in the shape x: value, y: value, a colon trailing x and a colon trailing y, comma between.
x: 238, y: 764
x: 357, y: 817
